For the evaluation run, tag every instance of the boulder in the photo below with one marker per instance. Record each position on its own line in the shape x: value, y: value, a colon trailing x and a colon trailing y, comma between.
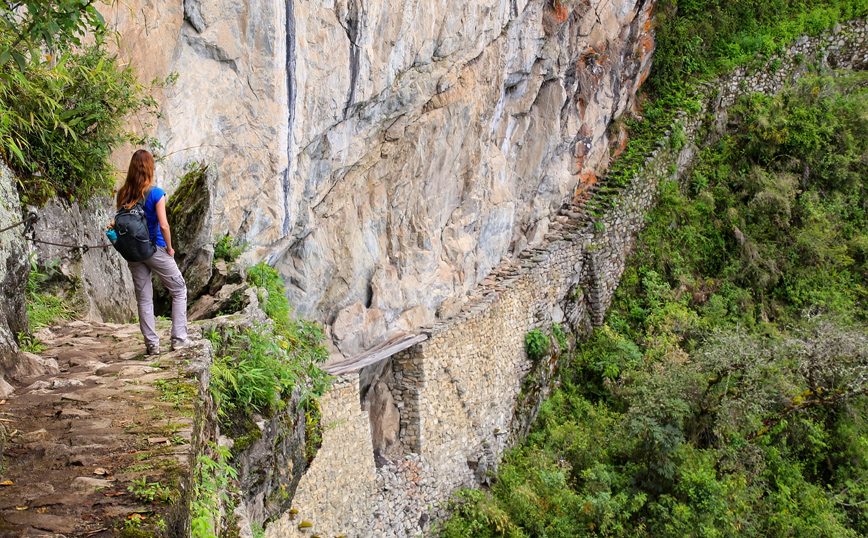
x: 450, y: 307
x: 387, y: 296
x: 229, y: 299
x: 100, y: 275
x: 385, y: 418
x: 6, y: 390
x: 189, y: 211
x: 226, y: 273
x: 357, y: 329
x: 32, y: 365
x: 413, y: 318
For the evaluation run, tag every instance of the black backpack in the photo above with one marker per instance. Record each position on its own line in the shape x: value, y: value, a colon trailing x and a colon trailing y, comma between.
x: 134, y: 239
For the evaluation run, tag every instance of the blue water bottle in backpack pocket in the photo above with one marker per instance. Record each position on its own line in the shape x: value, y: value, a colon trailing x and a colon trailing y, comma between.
x: 111, y: 233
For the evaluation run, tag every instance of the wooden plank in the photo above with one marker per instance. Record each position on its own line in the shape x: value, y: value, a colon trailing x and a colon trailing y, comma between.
x: 399, y: 342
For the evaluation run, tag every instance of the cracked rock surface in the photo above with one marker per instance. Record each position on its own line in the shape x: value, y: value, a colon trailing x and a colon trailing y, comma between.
x: 387, y: 153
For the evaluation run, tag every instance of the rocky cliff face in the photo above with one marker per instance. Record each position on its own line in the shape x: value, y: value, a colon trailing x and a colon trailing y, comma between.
x: 99, y: 276
x: 385, y: 155
x: 14, y: 269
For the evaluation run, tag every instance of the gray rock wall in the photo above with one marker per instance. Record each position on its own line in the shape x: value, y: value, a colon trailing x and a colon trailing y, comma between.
x: 14, y: 270
x: 464, y: 127
x: 390, y: 152
x: 100, y: 275
x: 459, y: 392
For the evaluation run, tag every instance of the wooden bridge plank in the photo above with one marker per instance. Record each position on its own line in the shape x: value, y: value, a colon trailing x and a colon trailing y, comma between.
x: 399, y: 342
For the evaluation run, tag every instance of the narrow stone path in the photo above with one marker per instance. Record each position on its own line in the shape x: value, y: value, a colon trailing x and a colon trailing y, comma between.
x: 98, y: 435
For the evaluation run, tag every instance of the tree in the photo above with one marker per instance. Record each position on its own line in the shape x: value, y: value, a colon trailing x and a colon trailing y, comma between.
x: 26, y: 26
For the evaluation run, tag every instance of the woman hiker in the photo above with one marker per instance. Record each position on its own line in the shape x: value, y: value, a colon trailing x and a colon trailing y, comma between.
x: 138, y: 185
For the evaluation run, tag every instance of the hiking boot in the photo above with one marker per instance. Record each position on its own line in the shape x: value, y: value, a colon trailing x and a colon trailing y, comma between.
x: 152, y: 349
x: 182, y: 344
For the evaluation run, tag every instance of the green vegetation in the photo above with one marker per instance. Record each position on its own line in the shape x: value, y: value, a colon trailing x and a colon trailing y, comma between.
x: 537, y: 345
x: 253, y: 373
x: 43, y: 308
x: 313, y: 430
x: 560, y: 336
x: 256, y: 369
x: 227, y: 248
x: 31, y: 25
x: 150, y: 492
x: 725, y: 395
x: 259, y: 371
x: 61, y: 115
x: 212, y: 480
x: 703, y: 38
x: 179, y: 391
x: 772, y: 219
x: 277, y: 305
x: 190, y: 200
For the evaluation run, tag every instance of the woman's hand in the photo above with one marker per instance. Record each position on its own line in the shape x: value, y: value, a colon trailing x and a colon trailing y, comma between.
x: 170, y: 251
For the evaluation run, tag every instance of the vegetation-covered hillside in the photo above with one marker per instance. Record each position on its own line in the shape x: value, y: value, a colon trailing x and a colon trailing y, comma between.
x: 725, y: 395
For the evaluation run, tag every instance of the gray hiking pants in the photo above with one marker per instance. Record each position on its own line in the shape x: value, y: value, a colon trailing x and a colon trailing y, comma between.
x: 165, y: 267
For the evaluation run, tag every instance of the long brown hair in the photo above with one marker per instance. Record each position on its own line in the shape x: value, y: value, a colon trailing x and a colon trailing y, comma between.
x: 140, y: 176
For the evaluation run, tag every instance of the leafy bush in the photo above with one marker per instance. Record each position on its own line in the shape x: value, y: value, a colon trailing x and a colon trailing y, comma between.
x: 478, y: 516
x: 252, y: 373
x: 227, y: 248
x: 33, y: 24
x: 537, y: 345
x: 258, y: 369
x: 60, y: 121
x: 560, y: 336
x: 702, y: 38
x: 212, y: 479
x: 43, y: 308
x: 769, y: 224
x: 149, y: 492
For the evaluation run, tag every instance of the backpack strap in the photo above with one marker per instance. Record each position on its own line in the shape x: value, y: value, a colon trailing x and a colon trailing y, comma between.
x: 147, y: 195
x: 144, y: 200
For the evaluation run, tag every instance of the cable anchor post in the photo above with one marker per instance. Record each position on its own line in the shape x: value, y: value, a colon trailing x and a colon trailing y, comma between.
x: 29, y: 226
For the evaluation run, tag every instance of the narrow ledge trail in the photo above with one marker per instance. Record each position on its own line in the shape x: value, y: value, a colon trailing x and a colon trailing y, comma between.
x: 98, y: 435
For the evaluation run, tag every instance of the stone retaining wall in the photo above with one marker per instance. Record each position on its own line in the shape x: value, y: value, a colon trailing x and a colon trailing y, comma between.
x: 338, y: 491
x: 458, y: 391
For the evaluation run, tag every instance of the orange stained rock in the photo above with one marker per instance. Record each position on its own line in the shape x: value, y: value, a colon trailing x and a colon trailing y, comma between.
x: 561, y: 11
x: 645, y: 42
x: 620, y: 143
x: 587, y: 178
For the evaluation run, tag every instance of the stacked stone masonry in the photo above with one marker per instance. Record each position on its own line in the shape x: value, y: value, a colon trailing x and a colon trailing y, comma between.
x: 457, y: 391
x: 340, y: 484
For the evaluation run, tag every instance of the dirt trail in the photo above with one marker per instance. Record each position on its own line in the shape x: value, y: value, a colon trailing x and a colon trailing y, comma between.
x: 91, y: 415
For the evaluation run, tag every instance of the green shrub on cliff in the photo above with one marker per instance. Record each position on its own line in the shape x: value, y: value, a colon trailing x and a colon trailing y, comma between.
x: 61, y: 118
x: 771, y: 222
x: 257, y: 370
x: 537, y: 345
x: 227, y: 248
x: 44, y: 308
x: 34, y: 25
x: 60, y: 122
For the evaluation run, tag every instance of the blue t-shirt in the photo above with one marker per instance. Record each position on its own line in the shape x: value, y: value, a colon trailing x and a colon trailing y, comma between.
x: 151, y: 212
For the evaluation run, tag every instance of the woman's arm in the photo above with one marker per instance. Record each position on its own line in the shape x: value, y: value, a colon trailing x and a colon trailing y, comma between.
x: 164, y: 226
